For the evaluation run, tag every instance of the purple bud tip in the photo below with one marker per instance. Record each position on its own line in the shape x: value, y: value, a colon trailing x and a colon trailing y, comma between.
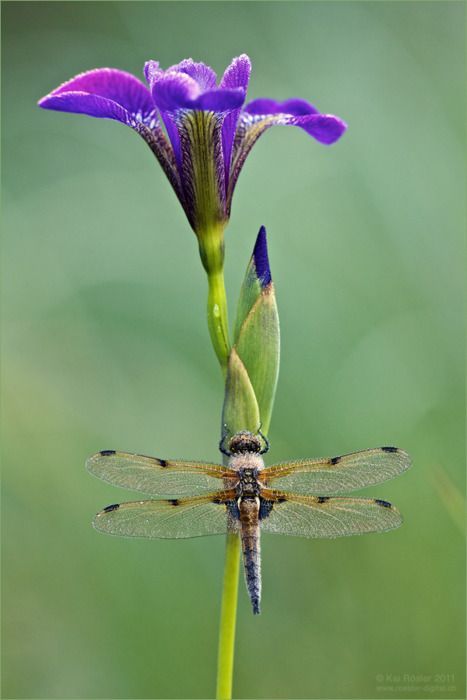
x: 260, y: 256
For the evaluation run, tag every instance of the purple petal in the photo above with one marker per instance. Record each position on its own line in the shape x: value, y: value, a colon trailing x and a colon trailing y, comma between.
x: 83, y: 103
x: 237, y: 75
x: 114, y: 94
x: 325, y: 128
x: 174, y: 137
x: 173, y: 91
x: 219, y: 100
x: 261, y: 259
x: 151, y: 71
x: 153, y: 74
x: 255, y: 120
x: 294, y: 106
x: 203, y: 74
x: 104, y: 93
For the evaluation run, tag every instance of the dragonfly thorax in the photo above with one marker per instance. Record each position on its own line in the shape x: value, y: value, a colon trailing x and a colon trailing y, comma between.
x: 248, y: 484
x: 248, y: 463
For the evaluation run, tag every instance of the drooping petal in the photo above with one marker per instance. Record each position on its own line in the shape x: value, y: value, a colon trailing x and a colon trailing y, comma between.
x: 104, y: 93
x: 109, y: 93
x: 236, y: 75
x: 259, y: 115
x: 325, y: 128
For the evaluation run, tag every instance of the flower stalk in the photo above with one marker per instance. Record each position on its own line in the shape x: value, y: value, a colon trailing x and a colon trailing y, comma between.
x: 219, y: 332
x: 228, y: 620
x: 218, y: 318
x: 211, y: 250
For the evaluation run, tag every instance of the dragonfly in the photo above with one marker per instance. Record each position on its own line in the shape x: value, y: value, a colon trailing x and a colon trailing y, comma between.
x: 300, y: 498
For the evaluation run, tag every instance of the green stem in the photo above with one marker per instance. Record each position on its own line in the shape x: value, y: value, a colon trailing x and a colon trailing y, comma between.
x: 218, y: 328
x: 217, y: 318
x: 227, y: 626
x: 212, y: 255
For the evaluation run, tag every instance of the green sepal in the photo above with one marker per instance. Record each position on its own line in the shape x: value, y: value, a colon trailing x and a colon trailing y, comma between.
x: 240, y: 411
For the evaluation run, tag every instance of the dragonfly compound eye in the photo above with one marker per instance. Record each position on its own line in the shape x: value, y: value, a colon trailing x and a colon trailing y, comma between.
x: 244, y: 441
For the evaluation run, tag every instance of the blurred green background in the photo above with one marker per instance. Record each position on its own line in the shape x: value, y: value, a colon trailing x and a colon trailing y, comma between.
x: 105, y: 346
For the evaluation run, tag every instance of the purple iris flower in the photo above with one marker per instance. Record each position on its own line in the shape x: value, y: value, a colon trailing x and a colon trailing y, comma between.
x: 201, y: 132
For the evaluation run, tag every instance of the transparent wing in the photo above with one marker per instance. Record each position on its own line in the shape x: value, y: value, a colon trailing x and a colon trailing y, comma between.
x: 338, y: 474
x: 157, y: 477
x: 168, y: 519
x: 309, y: 516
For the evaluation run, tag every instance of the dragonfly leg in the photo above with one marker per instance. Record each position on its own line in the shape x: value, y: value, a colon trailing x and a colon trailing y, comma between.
x: 265, y: 440
x: 222, y: 448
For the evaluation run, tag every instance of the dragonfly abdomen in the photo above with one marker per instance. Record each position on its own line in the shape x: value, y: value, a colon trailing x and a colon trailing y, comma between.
x: 251, y: 546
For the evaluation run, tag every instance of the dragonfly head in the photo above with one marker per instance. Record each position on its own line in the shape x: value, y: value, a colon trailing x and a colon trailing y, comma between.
x: 244, y: 441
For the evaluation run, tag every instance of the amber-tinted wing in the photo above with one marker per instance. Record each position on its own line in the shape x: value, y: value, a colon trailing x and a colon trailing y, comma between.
x: 315, y: 516
x: 168, y: 519
x: 336, y: 475
x: 157, y: 477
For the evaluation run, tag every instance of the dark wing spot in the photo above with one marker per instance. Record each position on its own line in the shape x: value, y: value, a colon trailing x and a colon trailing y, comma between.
x: 107, y: 453
x: 174, y: 502
x: 322, y: 499
x: 385, y: 504
x: 219, y: 500
x: 114, y: 506
x: 335, y: 460
x: 162, y: 462
x: 390, y: 449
